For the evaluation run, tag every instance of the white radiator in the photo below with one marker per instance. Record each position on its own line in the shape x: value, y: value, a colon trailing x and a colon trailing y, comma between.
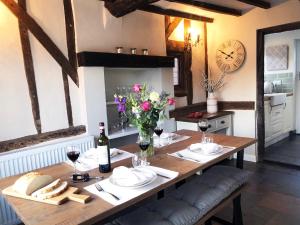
x: 20, y: 161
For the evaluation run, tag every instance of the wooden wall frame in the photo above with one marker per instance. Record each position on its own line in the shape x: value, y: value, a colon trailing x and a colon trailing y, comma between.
x: 183, y: 53
x: 260, y: 45
x: 68, y: 65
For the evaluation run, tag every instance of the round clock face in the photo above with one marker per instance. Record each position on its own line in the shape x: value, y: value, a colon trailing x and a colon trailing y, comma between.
x: 230, y: 55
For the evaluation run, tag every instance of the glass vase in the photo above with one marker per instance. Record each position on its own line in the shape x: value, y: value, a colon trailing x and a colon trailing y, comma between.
x: 150, y: 150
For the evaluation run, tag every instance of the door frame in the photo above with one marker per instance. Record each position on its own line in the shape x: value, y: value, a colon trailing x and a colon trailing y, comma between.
x: 260, y: 47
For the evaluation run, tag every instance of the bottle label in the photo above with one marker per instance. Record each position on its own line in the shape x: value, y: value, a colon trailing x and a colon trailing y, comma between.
x: 103, y: 155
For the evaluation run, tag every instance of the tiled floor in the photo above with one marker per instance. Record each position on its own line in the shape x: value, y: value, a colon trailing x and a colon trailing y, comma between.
x: 272, y: 197
x: 286, y: 151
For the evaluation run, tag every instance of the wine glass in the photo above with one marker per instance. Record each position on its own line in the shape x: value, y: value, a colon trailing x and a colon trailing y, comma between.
x: 158, y: 131
x: 203, y: 126
x: 73, y: 154
x: 143, y: 142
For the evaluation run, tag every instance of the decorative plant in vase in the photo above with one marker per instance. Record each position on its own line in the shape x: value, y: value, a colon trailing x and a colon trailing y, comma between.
x: 212, y: 85
x: 143, y: 108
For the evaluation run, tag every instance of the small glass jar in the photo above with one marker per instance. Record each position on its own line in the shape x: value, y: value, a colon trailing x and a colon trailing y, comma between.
x: 119, y: 50
x: 145, y: 51
x: 133, y: 51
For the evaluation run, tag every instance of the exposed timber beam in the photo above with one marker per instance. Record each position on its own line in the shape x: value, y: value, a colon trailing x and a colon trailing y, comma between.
x: 210, y: 7
x: 176, y: 13
x: 29, y: 71
x: 172, y: 26
x: 257, y: 3
x: 120, y: 8
x: 43, y: 38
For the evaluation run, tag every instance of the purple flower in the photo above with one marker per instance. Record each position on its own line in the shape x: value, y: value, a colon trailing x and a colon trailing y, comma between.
x: 121, y: 108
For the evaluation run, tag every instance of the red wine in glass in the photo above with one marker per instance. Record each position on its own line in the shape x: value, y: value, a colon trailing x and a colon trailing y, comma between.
x: 203, y: 126
x: 73, y: 155
x: 158, y: 131
x: 144, y: 145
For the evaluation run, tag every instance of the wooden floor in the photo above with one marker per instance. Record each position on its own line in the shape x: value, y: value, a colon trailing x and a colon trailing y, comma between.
x: 286, y: 151
x: 272, y: 198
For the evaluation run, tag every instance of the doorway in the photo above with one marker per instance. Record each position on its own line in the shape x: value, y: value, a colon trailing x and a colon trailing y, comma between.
x: 260, y: 80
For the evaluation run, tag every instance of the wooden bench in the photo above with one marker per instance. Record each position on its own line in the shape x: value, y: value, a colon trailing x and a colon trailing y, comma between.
x: 195, y: 202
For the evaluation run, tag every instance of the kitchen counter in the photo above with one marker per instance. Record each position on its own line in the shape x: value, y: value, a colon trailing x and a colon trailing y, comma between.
x: 268, y: 98
x: 205, y: 116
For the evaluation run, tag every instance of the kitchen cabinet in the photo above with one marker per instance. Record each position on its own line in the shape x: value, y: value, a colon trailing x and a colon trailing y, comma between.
x: 279, y: 120
x: 220, y: 122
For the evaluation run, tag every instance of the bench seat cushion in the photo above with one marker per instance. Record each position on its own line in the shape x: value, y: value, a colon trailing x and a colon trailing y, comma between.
x: 189, y: 203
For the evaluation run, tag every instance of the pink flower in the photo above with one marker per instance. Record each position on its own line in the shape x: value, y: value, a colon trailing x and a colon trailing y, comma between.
x: 171, y: 101
x: 136, y: 88
x: 146, y: 106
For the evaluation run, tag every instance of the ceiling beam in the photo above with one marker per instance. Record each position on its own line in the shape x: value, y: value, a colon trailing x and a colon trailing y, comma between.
x: 120, y: 8
x: 175, y: 13
x: 257, y: 3
x: 210, y: 7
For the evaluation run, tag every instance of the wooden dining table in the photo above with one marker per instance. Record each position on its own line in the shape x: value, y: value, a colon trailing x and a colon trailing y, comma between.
x: 100, y: 211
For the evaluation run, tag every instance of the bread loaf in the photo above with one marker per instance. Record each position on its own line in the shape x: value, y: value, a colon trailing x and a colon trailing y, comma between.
x: 57, y: 191
x: 50, y: 187
x: 30, y: 182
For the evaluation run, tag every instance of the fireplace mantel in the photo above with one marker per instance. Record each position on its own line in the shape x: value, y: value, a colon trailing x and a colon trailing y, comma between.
x: 114, y: 60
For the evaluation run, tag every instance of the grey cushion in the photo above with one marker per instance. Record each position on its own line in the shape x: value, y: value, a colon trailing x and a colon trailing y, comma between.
x: 189, y: 203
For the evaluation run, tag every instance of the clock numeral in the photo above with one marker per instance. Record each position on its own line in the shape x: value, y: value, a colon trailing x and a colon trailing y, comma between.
x: 225, y: 67
x: 238, y: 61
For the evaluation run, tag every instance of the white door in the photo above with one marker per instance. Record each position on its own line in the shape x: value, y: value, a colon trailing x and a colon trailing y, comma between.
x: 297, y: 72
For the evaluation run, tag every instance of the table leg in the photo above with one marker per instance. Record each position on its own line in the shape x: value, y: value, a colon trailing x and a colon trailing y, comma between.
x: 240, y: 159
x: 237, y: 211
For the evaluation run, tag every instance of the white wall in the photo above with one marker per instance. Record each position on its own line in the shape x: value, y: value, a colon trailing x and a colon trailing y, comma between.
x: 96, y: 30
x: 241, y: 85
x: 284, y: 38
x: 15, y: 109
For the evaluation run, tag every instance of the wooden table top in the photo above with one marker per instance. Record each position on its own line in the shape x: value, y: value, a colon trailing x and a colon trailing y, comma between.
x: 35, y: 213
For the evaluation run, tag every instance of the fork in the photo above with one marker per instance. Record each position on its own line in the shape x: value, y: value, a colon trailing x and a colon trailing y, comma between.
x: 183, y: 157
x: 100, y: 189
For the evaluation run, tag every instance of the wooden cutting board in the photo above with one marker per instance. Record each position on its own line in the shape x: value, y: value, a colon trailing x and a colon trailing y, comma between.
x: 69, y: 194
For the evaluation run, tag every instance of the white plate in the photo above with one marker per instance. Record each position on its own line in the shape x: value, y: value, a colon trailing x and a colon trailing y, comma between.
x: 142, y: 184
x: 200, y: 150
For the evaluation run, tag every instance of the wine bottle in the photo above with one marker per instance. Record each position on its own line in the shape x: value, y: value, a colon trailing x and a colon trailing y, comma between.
x: 104, y: 151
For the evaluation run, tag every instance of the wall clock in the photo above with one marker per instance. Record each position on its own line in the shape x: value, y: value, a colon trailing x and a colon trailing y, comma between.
x: 230, y: 55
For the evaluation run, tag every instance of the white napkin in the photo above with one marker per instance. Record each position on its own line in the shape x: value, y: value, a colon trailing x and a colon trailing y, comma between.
x: 90, y: 160
x: 199, y: 156
x: 131, y: 176
x: 207, y: 148
x: 167, y: 139
x: 125, y: 193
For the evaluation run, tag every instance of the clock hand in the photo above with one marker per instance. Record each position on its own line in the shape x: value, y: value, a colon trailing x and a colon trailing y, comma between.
x: 230, y: 55
x: 225, y: 54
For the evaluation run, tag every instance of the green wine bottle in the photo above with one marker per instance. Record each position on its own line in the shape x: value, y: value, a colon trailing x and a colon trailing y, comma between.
x: 104, y: 151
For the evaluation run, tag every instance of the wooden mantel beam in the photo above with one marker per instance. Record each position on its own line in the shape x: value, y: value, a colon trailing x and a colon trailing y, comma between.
x: 120, y: 8
x: 210, y: 7
x: 175, y: 13
x: 257, y: 3
x: 43, y: 38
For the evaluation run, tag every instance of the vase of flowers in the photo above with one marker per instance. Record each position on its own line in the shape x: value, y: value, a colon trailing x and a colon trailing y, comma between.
x: 211, y: 86
x: 143, y: 107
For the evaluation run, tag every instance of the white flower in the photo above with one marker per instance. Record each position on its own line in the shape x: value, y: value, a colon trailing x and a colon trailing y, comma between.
x: 154, y: 96
x: 135, y: 110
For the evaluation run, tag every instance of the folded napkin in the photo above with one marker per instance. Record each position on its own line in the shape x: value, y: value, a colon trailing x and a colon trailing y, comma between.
x: 127, y: 193
x: 167, y: 139
x: 90, y: 159
x: 198, y: 156
x: 127, y: 177
x: 206, y: 148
